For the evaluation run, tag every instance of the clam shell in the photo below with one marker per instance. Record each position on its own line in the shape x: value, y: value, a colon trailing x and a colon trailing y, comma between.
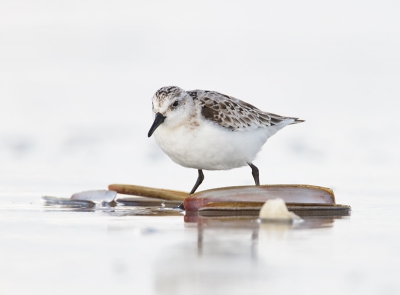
x: 290, y: 193
x: 149, y: 192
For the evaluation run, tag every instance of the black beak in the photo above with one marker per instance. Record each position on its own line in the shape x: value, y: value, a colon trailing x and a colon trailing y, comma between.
x: 157, y: 122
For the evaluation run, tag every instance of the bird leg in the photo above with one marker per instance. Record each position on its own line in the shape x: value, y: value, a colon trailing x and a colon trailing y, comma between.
x: 200, y: 179
x: 198, y: 182
x: 256, y: 174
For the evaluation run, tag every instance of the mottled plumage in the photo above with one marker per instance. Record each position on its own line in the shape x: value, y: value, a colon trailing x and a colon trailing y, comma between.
x: 233, y: 113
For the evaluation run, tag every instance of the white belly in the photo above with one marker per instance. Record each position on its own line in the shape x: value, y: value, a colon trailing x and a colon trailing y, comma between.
x: 211, y: 147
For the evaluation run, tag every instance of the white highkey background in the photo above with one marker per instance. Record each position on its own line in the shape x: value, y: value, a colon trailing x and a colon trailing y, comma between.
x: 76, y: 82
x: 77, y: 77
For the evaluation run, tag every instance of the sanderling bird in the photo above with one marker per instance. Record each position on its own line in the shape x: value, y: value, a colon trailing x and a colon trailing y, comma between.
x: 207, y: 130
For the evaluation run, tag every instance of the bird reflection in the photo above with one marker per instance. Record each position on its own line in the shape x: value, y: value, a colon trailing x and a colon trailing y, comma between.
x: 215, y: 226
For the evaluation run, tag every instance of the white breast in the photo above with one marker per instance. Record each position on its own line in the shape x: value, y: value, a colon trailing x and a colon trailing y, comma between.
x: 211, y: 147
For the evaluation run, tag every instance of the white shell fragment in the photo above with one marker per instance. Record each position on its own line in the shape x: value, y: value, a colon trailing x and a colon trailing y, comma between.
x: 276, y: 210
x: 97, y: 196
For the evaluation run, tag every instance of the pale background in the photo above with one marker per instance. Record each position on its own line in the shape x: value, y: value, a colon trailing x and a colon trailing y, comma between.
x: 76, y: 81
x: 77, y: 77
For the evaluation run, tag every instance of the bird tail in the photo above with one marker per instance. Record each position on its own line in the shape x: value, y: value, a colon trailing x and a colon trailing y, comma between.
x: 296, y: 121
x: 278, y: 120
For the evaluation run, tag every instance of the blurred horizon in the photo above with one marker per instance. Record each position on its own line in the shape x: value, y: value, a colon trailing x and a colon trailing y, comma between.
x: 77, y: 77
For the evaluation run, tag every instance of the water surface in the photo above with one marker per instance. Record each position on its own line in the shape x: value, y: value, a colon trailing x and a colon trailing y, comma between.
x: 152, y: 250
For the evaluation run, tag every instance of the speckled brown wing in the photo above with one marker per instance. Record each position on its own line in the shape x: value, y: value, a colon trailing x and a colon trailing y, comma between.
x: 233, y: 113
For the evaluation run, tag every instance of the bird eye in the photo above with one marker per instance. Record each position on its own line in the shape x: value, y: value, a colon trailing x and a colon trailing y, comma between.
x: 176, y: 103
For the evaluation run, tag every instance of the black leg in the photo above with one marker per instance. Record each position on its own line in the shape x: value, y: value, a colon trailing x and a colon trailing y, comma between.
x: 200, y: 179
x: 198, y: 182
x: 256, y: 174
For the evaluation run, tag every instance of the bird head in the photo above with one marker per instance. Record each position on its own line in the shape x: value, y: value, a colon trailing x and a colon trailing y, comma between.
x: 171, y: 107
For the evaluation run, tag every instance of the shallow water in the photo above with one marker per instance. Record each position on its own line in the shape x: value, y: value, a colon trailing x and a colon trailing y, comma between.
x: 152, y: 250
x: 76, y: 81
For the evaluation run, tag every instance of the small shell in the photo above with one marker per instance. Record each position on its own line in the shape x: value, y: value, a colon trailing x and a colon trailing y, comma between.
x: 96, y: 196
x: 276, y: 210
